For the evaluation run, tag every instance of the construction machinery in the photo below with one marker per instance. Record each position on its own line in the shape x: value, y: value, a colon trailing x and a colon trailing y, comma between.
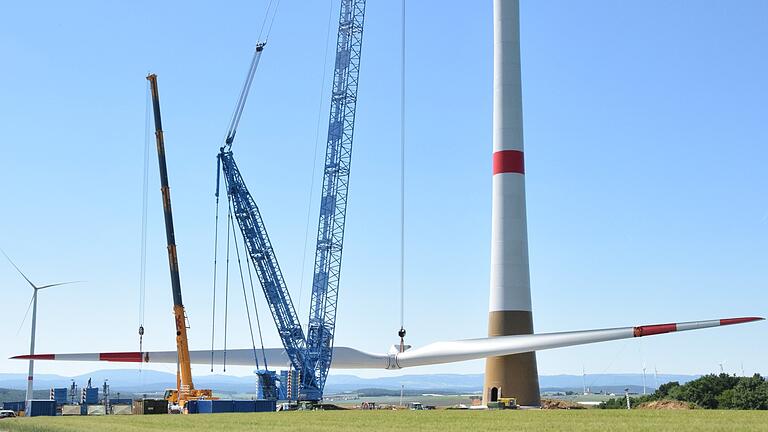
x: 185, y: 389
x: 311, y: 354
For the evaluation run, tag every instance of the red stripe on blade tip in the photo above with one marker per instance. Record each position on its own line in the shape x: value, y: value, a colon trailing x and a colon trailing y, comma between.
x: 35, y: 357
x: 729, y: 321
x: 654, y: 329
x: 508, y: 161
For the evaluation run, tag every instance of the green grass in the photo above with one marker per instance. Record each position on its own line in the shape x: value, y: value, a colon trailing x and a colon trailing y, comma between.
x: 443, y: 421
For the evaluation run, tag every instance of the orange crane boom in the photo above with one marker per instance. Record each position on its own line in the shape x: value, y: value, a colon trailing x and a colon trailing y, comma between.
x: 185, y: 388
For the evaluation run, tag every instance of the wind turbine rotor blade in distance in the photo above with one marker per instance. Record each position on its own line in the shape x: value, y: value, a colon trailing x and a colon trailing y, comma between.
x: 18, y: 269
x: 57, y: 284
x: 26, y: 314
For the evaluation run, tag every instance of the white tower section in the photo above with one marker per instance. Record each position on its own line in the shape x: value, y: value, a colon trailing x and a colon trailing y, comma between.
x: 510, y: 290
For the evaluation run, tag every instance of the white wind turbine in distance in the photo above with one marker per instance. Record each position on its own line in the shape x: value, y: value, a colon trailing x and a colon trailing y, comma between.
x: 33, y: 305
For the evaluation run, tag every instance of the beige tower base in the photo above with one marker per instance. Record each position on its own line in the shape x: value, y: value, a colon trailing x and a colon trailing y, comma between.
x: 513, y: 375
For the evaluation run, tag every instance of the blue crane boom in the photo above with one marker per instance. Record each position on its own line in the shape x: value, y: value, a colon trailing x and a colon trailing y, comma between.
x: 267, y: 268
x: 333, y: 200
x: 310, y: 355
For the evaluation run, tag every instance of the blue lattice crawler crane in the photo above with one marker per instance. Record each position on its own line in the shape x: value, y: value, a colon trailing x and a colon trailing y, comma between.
x: 268, y: 385
x: 310, y: 355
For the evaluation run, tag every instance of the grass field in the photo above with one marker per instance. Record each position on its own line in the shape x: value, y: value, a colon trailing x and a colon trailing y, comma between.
x: 441, y: 420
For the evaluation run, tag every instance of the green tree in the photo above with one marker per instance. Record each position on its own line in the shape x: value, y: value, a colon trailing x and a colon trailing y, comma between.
x: 704, y: 391
x: 664, y: 389
x: 749, y: 394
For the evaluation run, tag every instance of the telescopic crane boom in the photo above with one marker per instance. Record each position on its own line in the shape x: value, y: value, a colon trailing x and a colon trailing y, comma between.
x: 186, y: 389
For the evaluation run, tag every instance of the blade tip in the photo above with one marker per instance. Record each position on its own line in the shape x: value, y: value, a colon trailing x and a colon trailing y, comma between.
x: 741, y: 320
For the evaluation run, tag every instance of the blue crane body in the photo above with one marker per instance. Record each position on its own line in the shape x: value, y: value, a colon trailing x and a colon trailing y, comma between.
x: 311, y: 354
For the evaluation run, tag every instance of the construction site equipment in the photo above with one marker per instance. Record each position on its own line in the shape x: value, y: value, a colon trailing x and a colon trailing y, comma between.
x: 508, y: 402
x: 150, y: 406
x: 38, y: 408
x: 70, y: 410
x: 310, y: 355
x: 185, y: 389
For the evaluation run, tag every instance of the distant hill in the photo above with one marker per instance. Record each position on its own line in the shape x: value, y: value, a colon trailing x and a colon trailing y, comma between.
x: 13, y: 395
x: 147, y: 381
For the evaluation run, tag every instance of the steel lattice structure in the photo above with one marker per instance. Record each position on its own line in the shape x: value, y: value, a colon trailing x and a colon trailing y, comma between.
x: 333, y: 201
x: 311, y: 355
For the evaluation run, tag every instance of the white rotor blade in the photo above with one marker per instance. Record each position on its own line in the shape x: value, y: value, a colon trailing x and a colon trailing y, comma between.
x: 18, y: 269
x: 25, y: 314
x: 57, y: 284
x: 435, y: 353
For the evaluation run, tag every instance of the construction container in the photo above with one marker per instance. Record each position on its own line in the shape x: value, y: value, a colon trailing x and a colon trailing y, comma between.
x: 96, y: 410
x: 90, y: 396
x: 150, y: 406
x: 265, y: 406
x: 243, y: 406
x: 121, y: 409
x: 70, y: 410
x: 214, y: 406
x: 39, y: 408
x: 14, y: 406
x: 121, y: 401
x: 192, y: 407
x: 60, y: 395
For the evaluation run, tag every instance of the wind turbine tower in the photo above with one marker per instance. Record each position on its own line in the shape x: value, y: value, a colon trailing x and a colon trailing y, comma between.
x: 510, y: 297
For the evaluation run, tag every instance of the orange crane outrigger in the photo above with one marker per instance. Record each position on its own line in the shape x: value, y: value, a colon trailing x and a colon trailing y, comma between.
x: 185, y: 389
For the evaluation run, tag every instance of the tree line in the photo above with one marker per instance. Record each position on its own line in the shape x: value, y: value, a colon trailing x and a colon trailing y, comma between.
x: 712, y: 391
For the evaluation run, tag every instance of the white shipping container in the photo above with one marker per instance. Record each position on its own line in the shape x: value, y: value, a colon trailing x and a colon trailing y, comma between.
x: 121, y: 410
x: 70, y: 410
x: 96, y: 410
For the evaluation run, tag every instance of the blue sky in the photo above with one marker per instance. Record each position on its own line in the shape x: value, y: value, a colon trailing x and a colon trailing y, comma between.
x: 645, y: 140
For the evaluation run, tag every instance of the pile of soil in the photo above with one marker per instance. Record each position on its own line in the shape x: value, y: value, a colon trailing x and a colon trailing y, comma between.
x: 559, y: 404
x: 665, y: 405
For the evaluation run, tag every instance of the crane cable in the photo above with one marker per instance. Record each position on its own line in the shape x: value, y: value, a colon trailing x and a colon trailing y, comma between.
x: 226, y: 288
x: 144, y: 205
x: 256, y: 311
x: 215, y: 258
x: 401, y: 332
x: 242, y: 281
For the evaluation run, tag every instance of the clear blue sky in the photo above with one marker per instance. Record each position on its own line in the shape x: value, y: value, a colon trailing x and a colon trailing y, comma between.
x: 645, y: 129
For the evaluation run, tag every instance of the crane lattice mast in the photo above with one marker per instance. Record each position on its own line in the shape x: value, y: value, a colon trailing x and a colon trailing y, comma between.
x: 333, y: 201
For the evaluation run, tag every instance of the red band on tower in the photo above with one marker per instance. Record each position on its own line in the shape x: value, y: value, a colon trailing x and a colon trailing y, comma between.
x: 508, y: 161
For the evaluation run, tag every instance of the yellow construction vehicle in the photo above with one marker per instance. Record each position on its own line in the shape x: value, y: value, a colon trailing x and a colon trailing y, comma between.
x: 185, y: 391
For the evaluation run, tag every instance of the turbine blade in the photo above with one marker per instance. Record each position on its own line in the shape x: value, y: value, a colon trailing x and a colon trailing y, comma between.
x: 57, y: 284
x: 18, y: 269
x: 435, y: 353
x: 25, y: 315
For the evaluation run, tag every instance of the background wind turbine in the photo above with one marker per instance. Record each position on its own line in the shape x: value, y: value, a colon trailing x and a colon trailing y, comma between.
x: 33, y: 304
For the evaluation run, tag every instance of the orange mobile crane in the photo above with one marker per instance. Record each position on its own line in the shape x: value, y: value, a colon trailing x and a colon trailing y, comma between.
x: 185, y: 391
